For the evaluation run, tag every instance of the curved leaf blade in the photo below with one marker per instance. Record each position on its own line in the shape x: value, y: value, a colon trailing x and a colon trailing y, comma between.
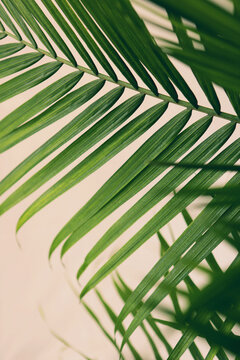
x: 85, y: 35
x: 59, y: 109
x: 63, y: 107
x: 9, y: 23
x: 176, y: 149
x: 36, y: 11
x: 206, y: 217
x: 115, y: 144
x: 27, y: 80
x: 72, y: 152
x: 29, y: 18
x: 18, y: 63
x: 38, y: 102
x: 9, y: 49
x: 19, y: 20
x: 195, y: 255
x: 70, y: 34
x: 171, y: 209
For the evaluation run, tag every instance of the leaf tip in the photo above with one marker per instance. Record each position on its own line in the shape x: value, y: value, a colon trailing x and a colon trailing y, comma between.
x: 81, y: 270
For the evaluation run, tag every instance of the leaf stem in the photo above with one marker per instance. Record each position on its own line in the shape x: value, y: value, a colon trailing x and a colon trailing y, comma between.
x: 141, y: 90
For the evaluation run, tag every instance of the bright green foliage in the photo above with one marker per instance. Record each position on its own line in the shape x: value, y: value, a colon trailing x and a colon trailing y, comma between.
x: 40, y: 39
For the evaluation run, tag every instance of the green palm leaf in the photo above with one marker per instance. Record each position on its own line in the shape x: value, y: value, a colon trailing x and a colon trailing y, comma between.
x: 104, y: 43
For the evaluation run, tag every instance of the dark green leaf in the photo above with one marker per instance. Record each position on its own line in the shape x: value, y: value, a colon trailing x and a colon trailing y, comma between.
x: 19, y: 20
x: 70, y: 34
x: 103, y: 41
x: 39, y: 15
x: 9, y: 23
x: 209, y: 16
x: 85, y: 35
x: 29, y: 18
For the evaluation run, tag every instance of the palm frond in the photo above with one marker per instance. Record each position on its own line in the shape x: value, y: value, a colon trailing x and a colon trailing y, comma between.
x: 109, y: 43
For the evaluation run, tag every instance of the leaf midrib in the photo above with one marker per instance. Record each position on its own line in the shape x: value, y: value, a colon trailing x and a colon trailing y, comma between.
x: 141, y: 90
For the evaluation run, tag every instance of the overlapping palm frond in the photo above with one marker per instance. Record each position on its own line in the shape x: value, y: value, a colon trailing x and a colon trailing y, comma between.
x: 108, y: 42
x: 221, y: 295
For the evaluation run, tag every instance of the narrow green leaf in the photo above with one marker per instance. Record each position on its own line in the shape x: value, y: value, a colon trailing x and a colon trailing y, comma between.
x: 85, y: 35
x: 103, y: 41
x: 29, y: 18
x: 137, y: 162
x: 19, y: 20
x: 226, y: 329
x: 210, y: 259
x: 17, y: 63
x: 217, y: 70
x: 204, y: 221
x: 184, y: 266
x: 176, y: 149
x: 27, y: 80
x: 132, y: 30
x: 113, y: 317
x: 102, y: 128
x: 227, y: 294
x: 183, y: 344
x: 9, y: 23
x: 38, y: 102
x: 189, y: 165
x: 188, y: 335
x: 150, y: 149
x: 106, y: 151
x: 210, y: 92
x: 1, y: 26
x: 207, y: 15
x: 2, y: 36
x: 224, y: 287
x: 187, y: 340
x: 186, y: 43
x: 177, y: 78
x: 158, y: 192
x: 234, y: 97
x: 120, y: 30
x: 124, y: 291
x: 124, y: 296
x: 70, y: 34
x: 63, y: 107
x: 9, y: 49
x: 236, y: 8
x: 36, y: 11
x: 171, y: 209
x: 152, y: 343
x: 99, y: 323
x: 170, y: 324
